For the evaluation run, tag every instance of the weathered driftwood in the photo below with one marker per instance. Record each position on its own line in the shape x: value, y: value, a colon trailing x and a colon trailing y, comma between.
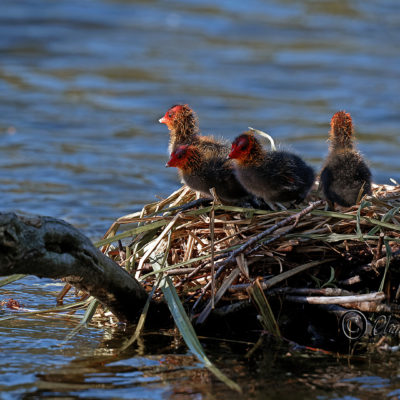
x: 51, y: 248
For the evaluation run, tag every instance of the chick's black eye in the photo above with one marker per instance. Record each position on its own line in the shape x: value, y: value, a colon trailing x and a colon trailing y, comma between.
x: 243, y: 144
x: 179, y: 155
x: 170, y: 115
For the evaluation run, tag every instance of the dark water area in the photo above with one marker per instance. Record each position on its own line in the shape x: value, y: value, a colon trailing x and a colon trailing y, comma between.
x: 82, y: 86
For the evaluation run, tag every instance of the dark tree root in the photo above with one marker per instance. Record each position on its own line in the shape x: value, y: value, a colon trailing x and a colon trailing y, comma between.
x: 51, y: 248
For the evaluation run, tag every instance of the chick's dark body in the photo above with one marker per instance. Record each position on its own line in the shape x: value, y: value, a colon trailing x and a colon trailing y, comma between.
x: 215, y: 173
x: 279, y: 176
x: 345, y: 174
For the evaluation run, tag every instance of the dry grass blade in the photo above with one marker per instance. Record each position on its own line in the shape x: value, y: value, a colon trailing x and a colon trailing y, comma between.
x: 155, y: 243
x: 186, y: 329
x: 129, y: 233
x: 221, y: 291
x: 89, y: 313
x: 388, y: 259
x: 292, y: 272
x: 267, y: 316
x: 11, y: 279
x: 68, y: 307
x: 142, y: 319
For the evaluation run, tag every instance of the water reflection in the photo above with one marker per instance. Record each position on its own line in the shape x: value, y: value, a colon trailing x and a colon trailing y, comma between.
x: 177, y: 376
x: 37, y: 362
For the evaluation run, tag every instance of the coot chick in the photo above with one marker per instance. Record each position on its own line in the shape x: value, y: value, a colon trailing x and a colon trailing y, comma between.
x: 275, y: 176
x: 345, y: 174
x: 202, y: 170
x: 183, y: 126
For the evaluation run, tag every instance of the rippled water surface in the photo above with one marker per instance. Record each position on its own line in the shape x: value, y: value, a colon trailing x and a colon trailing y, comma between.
x: 82, y: 86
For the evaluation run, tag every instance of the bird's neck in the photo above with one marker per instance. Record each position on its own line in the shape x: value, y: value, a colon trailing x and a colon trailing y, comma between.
x: 179, y: 136
x: 341, y: 138
x: 185, y: 131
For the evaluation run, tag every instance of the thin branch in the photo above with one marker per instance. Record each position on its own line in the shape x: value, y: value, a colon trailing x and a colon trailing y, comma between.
x: 342, y: 300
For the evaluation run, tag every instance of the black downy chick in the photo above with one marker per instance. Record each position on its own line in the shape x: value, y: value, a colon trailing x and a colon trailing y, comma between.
x: 202, y: 170
x: 345, y: 175
x: 275, y: 176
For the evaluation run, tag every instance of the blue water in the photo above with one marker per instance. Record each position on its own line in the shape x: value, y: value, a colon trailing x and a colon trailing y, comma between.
x: 83, y: 84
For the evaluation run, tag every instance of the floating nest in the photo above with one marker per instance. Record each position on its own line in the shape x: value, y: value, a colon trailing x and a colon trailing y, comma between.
x: 219, y: 257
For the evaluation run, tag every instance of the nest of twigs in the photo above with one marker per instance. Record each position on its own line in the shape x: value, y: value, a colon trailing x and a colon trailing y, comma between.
x: 220, y: 255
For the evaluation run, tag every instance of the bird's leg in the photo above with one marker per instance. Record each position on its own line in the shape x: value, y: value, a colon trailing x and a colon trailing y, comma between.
x: 330, y: 206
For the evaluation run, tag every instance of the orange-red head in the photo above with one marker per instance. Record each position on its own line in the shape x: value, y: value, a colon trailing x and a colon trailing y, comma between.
x: 182, y: 157
x: 172, y: 114
x: 242, y: 146
x: 341, y: 130
x: 182, y: 123
x: 342, y: 120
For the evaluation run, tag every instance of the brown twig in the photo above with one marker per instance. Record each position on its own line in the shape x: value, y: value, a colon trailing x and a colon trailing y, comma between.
x: 378, y: 252
x: 350, y: 281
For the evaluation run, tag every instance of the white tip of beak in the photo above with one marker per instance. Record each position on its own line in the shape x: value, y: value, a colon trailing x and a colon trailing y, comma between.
x: 161, y: 120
